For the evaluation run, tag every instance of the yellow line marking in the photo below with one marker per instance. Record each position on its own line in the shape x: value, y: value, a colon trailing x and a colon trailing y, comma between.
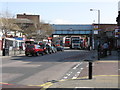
x: 6, y: 83
x: 107, y: 75
x: 44, y: 86
x: 48, y: 84
x: 95, y: 87
x: 100, y: 75
x: 3, y: 83
x: 109, y: 61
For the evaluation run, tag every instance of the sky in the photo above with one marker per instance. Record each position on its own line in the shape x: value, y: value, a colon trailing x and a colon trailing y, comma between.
x: 65, y: 11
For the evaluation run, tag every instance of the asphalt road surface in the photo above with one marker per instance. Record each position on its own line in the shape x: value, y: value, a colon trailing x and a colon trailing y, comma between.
x: 37, y: 70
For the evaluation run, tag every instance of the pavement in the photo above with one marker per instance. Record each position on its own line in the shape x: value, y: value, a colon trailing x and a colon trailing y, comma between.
x: 12, y: 53
x: 0, y: 52
x: 105, y: 75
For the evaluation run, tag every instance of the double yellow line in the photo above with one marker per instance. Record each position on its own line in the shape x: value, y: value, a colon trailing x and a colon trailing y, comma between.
x: 109, y: 61
x: 45, y: 85
x: 48, y: 84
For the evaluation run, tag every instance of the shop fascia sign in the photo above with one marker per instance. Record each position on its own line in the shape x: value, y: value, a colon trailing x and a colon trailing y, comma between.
x: 117, y: 32
x: 18, y: 38
x: 96, y: 30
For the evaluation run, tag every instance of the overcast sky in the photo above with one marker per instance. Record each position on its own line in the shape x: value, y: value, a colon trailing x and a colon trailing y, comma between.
x: 65, y: 11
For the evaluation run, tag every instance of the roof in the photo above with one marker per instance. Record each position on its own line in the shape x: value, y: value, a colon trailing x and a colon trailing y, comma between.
x: 23, y: 21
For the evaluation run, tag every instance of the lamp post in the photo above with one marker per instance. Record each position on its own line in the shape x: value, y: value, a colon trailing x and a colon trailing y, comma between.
x: 98, y: 15
x: 98, y: 31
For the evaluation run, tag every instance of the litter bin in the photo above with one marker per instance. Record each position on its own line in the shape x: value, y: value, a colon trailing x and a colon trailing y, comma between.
x: 5, y: 52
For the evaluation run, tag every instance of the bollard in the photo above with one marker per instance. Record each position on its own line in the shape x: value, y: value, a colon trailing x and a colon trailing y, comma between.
x: 90, y: 70
x: 98, y: 55
x: 3, y: 53
x: 98, y: 52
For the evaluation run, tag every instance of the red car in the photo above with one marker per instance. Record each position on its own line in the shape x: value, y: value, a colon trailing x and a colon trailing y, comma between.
x: 34, y: 50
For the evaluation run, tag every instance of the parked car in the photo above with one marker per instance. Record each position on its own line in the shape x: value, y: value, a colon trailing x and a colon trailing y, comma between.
x: 47, y: 48
x: 60, y: 48
x: 34, y: 50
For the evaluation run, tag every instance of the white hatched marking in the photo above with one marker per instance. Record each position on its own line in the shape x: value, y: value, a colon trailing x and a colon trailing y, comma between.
x: 65, y: 77
x: 74, y: 77
x: 77, y: 65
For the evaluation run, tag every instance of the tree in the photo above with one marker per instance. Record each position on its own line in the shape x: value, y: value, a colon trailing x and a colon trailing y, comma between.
x: 35, y: 30
x: 44, y: 30
x: 7, y: 24
x: 118, y: 19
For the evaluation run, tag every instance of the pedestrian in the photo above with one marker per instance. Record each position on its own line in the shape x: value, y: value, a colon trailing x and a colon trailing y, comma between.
x: 110, y: 48
x: 99, y: 49
x: 105, y: 48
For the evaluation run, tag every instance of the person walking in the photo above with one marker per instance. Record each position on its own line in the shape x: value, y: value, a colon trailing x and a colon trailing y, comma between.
x: 105, y: 48
x: 110, y: 48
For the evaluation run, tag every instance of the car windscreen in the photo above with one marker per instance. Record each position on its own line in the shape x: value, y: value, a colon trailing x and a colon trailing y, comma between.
x: 76, y: 41
x: 30, y: 46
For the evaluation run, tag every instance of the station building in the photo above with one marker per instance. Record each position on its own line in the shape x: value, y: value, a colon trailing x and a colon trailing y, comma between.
x: 95, y: 35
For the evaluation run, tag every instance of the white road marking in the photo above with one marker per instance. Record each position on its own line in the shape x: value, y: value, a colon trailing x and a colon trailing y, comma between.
x: 82, y: 87
x: 74, y: 77
x: 78, y: 72
x: 87, y: 66
x: 68, y: 74
x: 65, y: 77
x: 77, y: 65
x: 81, y: 68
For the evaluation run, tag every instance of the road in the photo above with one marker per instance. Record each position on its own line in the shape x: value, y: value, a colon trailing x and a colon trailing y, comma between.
x: 38, y: 70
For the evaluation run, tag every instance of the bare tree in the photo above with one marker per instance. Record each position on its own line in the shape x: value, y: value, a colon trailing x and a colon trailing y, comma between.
x: 44, y: 31
x: 6, y: 26
x: 7, y: 23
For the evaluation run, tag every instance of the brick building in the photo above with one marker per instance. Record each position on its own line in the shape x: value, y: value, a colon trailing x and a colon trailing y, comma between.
x: 34, y: 18
x: 106, y: 33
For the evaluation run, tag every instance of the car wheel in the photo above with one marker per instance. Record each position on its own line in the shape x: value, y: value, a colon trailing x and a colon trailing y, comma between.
x: 50, y: 52
x: 37, y: 54
x: 46, y: 52
x: 42, y: 54
x: 26, y: 54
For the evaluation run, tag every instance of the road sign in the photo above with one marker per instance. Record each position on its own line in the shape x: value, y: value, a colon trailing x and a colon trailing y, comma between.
x: 117, y: 32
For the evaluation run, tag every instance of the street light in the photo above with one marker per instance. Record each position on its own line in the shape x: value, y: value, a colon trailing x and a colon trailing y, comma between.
x: 98, y: 15
x: 98, y: 32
